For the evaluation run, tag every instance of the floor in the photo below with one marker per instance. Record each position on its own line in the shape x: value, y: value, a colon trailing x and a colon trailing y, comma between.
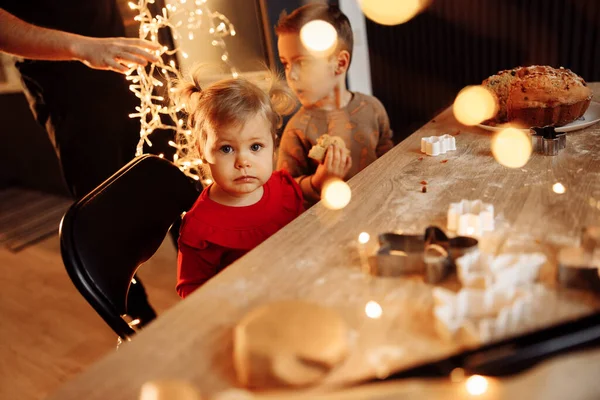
x: 48, y: 332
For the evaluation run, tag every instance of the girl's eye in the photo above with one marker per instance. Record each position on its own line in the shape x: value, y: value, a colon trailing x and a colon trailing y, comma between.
x: 256, y: 147
x: 226, y: 149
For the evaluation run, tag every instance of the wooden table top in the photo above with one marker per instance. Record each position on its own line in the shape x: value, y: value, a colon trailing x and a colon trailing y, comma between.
x: 315, y: 258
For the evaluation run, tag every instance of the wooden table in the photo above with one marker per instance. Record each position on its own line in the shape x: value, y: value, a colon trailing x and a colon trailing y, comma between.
x: 315, y: 258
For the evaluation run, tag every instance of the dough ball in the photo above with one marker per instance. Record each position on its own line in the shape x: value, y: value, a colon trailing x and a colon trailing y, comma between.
x: 288, y: 343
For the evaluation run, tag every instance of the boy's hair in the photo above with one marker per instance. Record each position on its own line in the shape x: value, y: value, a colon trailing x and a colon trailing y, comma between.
x: 227, y: 103
x: 292, y: 23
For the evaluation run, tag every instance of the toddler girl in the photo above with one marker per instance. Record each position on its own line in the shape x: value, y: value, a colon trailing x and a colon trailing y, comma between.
x: 233, y: 127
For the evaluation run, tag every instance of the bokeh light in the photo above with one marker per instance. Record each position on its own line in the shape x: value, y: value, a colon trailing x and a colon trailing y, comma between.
x: 373, y: 310
x: 319, y: 37
x: 336, y: 194
x: 364, y: 237
x: 476, y: 385
x: 511, y: 147
x: 169, y: 389
x: 391, y: 12
x: 473, y: 105
x: 559, y: 188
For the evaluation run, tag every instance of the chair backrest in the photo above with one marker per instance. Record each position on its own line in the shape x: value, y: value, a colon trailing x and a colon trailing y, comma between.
x: 108, y: 234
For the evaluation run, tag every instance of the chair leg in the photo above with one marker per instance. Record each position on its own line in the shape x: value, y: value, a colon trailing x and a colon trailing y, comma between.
x: 138, y: 306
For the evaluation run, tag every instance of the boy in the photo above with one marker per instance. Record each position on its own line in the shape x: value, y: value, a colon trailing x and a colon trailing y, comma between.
x: 328, y: 106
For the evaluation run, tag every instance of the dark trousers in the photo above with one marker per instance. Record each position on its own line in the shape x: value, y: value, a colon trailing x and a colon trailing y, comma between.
x: 86, y: 114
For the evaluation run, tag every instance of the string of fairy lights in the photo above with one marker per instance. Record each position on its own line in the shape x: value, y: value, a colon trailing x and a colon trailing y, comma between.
x: 153, y: 84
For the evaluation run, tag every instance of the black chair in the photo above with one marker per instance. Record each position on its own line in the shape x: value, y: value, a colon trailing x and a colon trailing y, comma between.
x: 108, y: 234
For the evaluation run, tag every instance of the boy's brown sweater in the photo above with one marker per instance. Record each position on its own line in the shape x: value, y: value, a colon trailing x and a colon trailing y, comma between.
x: 363, y: 125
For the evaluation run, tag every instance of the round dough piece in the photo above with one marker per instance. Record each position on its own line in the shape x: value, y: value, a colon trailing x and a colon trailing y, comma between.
x: 288, y: 343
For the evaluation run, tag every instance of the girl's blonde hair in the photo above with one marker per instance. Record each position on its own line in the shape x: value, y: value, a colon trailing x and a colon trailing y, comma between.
x: 227, y: 103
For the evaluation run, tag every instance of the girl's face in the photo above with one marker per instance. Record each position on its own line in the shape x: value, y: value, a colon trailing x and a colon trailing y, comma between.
x: 240, y: 157
x: 313, y: 79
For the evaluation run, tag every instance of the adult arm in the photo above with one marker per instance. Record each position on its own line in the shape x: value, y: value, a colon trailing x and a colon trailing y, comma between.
x: 23, y: 39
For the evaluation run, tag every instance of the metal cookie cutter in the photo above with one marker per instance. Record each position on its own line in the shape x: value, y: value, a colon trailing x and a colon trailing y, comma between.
x: 547, y: 141
x: 579, y: 267
x: 431, y: 255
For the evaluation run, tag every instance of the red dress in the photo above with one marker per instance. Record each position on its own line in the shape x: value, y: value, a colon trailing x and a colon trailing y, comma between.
x: 213, y: 235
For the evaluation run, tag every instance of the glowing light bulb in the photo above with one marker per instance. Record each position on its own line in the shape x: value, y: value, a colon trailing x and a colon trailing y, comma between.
x: 476, y: 385
x: 318, y: 36
x: 336, y: 194
x: 473, y: 105
x: 511, y: 148
x: 364, y: 237
x: 391, y: 12
x: 168, y: 389
x: 132, y: 5
x: 559, y: 188
x: 373, y: 310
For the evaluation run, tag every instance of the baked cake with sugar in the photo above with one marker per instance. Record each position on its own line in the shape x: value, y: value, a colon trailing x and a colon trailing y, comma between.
x: 538, y: 96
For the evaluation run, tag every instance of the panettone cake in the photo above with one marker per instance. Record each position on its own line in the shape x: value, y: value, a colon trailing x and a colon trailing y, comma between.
x: 538, y: 96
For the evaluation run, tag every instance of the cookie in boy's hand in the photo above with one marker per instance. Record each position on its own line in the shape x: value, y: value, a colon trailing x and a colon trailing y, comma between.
x: 323, y: 142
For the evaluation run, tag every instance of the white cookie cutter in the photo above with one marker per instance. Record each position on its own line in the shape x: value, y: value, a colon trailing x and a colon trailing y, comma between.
x: 475, y: 303
x: 470, y: 218
x: 477, y: 270
x: 506, y: 314
x: 436, y: 145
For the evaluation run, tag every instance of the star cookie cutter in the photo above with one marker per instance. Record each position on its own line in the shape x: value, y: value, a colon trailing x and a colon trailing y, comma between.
x: 431, y: 255
x: 545, y: 140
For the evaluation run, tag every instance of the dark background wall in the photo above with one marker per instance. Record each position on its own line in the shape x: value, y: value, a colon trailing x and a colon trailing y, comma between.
x: 418, y: 68
x: 27, y: 157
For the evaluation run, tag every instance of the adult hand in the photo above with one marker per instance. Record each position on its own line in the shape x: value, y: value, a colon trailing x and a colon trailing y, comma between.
x: 115, y: 54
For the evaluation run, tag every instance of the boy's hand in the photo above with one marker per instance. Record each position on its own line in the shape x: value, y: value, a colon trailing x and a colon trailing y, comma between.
x: 336, y: 164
